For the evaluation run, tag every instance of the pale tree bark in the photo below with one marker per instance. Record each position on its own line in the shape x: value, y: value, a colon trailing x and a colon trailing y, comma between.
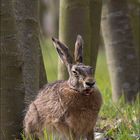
x: 95, y: 20
x: 78, y: 17
x: 11, y: 87
x: 134, y: 10
x: 74, y: 19
x: 27, y: 18
x: 50, y: 17
x: 42, y: 11
x: 54, y: 10
x: 120, y: 49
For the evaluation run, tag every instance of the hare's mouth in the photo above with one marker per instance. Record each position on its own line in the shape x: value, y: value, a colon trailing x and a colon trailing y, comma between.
x: 87, y: 92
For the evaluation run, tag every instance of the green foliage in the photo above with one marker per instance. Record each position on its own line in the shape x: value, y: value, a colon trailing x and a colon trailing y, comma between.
x: 50, y: 59
x: 118, y: 121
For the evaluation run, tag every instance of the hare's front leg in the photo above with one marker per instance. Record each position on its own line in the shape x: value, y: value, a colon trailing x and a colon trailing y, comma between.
x: 65, y: 131
x: 90, y: 136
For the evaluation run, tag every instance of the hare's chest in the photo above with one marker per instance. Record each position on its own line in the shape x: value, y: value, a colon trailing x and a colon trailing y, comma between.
x: 81, y: 120
x: 81, y: 114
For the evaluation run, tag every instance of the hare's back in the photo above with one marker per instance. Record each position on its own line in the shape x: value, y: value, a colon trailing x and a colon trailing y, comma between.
x: 48, y: 101
x: 45, y: 108
x: 50, y: 88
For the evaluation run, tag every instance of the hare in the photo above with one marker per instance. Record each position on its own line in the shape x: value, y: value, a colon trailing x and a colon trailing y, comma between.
x: 69, y: 108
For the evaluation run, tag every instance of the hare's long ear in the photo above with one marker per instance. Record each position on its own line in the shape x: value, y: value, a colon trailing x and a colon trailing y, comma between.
x: 63, y: 52
x: 78, y: 54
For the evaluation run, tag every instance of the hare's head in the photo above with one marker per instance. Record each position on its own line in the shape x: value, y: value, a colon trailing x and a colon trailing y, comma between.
x: 80, y: 75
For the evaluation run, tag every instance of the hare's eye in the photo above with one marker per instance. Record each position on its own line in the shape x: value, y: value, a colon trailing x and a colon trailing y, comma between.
x: 75, y: 73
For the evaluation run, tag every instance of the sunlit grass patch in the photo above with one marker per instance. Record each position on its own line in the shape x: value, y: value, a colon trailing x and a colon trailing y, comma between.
x: 119, y: 121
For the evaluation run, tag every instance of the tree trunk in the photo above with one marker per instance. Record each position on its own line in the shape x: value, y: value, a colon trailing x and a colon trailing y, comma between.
x: 27, y: 18
x: 42, y: 11
x: 50, y: 17
x: 11, y: 87
x: 54, y: 10
x: 134, y: 10
x: 71, y: 24
x: 95, y: 20
x: 77, y: 17
x: 120, y: 49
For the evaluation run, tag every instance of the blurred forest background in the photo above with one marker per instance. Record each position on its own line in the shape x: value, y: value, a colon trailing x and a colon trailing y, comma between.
x: 111, y: 33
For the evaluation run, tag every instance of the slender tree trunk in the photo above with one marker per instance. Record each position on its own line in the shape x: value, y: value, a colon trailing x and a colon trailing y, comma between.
x: 54, y: 10
x: 120, y: 49
x: 42, y: 11
x: 134, y: 10
x: 95, y: 20
x: 50, y: 17
x: 72, y: 23
x: 77, y: 17
x: 11, y: 87
x: 27, y: 18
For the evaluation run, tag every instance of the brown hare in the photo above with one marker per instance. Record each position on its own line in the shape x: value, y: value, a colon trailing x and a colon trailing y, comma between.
x: 69, y: 108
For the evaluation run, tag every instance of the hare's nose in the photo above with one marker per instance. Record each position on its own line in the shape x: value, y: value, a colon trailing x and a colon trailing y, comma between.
x: 90, y: 84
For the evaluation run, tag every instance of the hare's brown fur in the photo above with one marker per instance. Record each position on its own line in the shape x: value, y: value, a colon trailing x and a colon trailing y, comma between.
x: 65, y: 110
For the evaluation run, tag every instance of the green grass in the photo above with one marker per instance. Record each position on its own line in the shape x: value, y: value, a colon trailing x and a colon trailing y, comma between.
x: 117, y: 121
x: 50, y: 59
